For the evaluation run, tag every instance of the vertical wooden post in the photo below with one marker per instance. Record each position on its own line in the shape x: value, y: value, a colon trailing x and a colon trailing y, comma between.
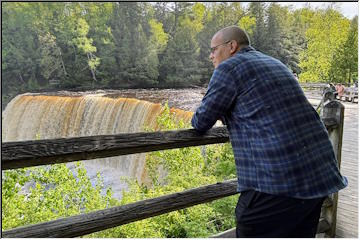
x: 334, y: 110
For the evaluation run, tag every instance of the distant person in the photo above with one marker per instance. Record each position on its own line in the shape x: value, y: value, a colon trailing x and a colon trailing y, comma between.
x: 355, y: 84
x: 284, y: 159
x: 340, y: 89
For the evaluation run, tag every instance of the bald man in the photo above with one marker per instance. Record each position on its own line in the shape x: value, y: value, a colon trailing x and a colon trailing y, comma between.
x: 284, y: 159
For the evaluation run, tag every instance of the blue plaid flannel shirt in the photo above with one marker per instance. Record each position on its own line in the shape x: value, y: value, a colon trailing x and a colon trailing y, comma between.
x: 280, y: 144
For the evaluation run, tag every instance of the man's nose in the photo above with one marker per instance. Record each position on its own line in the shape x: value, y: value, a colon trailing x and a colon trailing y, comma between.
x: 211, y: 55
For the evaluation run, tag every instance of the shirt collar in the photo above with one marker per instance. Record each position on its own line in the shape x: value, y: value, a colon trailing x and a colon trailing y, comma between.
x: 246, y: 49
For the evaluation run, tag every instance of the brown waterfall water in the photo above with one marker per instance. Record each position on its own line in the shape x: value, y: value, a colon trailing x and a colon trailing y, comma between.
x: 65, y: 114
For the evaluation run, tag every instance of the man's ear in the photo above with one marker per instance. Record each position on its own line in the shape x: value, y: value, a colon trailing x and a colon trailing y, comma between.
x: 234, y: 46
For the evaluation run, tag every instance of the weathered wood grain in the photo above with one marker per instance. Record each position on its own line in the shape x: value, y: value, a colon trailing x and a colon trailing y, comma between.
x: 43, y: 152
x: 99, y: 220
x: 50, y: 151
x: 347, y: 209
x: 334, y: 110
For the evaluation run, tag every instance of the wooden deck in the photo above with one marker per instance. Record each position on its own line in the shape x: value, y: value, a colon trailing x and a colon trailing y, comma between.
x: 347, y: 213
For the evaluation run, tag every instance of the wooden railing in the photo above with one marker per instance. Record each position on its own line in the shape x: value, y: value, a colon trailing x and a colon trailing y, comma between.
x: 42, y: 152
x: 313, y: 85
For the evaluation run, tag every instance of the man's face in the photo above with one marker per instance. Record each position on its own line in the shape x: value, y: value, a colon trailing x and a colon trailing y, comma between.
x: 220, y: 50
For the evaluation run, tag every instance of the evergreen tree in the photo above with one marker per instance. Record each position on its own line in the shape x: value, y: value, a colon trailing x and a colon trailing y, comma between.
x: 135, y: 61
x: 282, y: 36
x: 19, y: 48
x: 258, y: 36
x: 180, y: 61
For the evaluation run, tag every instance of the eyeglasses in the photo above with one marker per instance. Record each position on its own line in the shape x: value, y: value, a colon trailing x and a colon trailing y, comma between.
x: 212, y: 50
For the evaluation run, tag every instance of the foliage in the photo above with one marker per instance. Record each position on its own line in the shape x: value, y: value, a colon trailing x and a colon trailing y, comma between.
x: 54, y: 192
x: 163, y: 44
x: 327, y: 32
x: 248, y: 24
x: 258, y: 36
x: 345, y: 61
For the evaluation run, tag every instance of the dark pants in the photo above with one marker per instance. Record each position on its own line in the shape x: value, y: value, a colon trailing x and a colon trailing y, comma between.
x: 264, y: 215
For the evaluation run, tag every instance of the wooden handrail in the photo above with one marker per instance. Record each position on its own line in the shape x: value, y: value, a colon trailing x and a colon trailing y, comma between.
x: 313, y: 85
x: 50, y: 151
x: 103, y: 219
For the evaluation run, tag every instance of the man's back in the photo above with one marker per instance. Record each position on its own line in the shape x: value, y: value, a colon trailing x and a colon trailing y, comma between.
x: 284, y: 159
x: 280, y: 144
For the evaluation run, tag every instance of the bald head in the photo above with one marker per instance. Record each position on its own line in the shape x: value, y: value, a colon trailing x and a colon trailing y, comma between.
x: 226, y: 43
x: 233, y: 33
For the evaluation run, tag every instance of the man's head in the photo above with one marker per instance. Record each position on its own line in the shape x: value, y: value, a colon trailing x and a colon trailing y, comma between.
x: 226, y: 42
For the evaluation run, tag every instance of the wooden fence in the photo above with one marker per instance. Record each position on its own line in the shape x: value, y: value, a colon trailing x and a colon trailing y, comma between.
x: 42, y: 152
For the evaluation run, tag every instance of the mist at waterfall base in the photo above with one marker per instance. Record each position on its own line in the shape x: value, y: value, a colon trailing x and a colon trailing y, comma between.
x: 63, y: 114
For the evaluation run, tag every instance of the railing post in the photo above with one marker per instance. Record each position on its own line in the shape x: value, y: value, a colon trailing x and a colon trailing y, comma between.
x: 334, y: 110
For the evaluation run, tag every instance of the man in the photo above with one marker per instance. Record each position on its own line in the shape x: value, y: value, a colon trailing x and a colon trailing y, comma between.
x: 284, y: 158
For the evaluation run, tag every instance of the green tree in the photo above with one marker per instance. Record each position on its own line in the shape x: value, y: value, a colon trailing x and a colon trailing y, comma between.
x: 19, y: 48
x: 180, y: 61
x: 51, y: 63
x: 327, y: 31
x: 135, y: 61
x: 248, y: 24
x: 98, y: 16
x: 282, y: 36
x: 85, y: 45
x: 258, y: 36
x: 344, y: 66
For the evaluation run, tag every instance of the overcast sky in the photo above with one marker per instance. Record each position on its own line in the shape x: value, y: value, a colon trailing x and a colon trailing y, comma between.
x: 348, y: 9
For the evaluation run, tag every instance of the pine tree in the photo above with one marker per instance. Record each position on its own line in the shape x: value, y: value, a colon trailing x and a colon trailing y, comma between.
x: 258, y: 37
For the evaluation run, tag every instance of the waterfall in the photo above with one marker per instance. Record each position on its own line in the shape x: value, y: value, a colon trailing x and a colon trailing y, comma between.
x: 34, y: 116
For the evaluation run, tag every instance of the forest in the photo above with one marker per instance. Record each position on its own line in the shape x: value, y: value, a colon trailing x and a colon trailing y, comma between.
x: 112, y: 45
x: 49, y: 46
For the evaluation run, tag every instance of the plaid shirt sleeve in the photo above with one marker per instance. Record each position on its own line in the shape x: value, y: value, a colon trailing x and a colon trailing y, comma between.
x: 217, y: 100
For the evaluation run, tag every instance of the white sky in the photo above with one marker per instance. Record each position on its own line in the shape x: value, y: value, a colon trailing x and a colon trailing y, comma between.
x: 348, y: 9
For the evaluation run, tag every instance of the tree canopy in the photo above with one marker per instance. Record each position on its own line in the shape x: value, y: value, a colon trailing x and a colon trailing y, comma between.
x: 91, y: 45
